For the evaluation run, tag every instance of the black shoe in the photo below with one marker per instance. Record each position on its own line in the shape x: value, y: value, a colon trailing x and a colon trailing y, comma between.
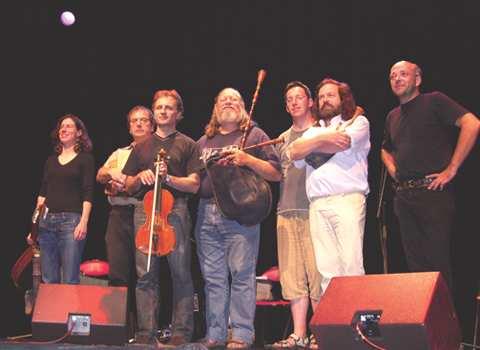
x: 145, y: 338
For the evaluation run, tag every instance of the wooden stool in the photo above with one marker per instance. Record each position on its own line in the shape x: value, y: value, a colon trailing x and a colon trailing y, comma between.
x: 269, y: 311
x: 267, y: 314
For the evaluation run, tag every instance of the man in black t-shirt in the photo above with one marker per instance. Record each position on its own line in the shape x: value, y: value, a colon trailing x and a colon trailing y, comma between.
x: 180, y: 177
x: 228, y: 250
x: 419, y: 156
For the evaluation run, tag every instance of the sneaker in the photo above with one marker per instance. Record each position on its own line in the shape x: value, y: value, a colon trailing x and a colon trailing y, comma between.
x: 293, y: 341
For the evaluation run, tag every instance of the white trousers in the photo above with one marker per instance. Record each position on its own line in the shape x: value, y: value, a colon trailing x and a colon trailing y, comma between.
x: 337, y: 224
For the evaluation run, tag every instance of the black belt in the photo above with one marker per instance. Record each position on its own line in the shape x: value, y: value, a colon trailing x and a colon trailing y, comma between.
x: 413, y: 183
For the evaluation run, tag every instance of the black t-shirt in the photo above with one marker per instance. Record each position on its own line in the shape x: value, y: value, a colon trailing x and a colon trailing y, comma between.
x: 419, y: 134
x: 218, y: 143
x: 67, y: 186
x: 182, y: 153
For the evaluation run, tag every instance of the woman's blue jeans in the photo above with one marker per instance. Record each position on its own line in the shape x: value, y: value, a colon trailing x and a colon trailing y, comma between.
x: 60, y: 254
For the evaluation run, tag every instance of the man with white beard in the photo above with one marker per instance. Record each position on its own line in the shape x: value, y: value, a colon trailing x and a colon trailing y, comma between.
x: 225, y: 247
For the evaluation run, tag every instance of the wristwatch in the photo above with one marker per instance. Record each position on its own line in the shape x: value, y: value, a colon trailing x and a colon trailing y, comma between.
x: 167, y: 179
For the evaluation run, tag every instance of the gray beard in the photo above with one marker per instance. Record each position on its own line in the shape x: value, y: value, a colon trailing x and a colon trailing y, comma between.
x: 228, y: 116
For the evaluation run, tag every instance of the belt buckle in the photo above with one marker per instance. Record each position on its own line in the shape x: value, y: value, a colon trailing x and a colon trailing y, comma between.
x: 411, y: 184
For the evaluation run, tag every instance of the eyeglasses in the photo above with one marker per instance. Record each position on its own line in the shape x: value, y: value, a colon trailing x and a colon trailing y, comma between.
x: 141, y: 120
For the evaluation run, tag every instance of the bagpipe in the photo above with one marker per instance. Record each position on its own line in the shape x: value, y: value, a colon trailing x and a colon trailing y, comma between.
x: 240, y: 193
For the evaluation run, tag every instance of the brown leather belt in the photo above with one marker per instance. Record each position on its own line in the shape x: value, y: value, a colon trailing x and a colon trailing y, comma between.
x: 414, y: 183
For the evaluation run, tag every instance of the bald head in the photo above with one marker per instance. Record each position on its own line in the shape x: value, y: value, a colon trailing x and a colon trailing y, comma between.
x: 408, y: 65
x: 405, y: 80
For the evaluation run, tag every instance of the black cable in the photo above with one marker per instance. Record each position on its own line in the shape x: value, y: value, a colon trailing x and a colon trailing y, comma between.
x: 365, y: 339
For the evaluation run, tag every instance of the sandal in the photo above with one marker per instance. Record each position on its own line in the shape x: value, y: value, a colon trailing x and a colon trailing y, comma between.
x: 312, y: 342
x: 238, y: 344
x: 293, y: 341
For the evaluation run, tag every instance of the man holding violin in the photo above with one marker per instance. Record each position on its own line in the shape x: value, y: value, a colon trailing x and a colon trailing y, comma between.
x: 179, y: 177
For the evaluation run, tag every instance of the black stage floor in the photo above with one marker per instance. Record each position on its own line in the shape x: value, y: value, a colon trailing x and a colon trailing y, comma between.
x: 25, y: 344
x: 18, y: 345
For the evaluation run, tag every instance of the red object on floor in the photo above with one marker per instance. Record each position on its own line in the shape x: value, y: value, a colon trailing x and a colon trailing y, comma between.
x: 94, y: 268
x: 272, y: 274
x: 268, y: 310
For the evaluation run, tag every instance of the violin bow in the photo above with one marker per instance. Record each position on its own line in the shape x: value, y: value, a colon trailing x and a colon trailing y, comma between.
x: 152, y: 223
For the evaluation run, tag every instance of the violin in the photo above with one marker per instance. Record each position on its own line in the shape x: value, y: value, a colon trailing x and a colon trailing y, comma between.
x: 156, y: 236
x: 31, y: 254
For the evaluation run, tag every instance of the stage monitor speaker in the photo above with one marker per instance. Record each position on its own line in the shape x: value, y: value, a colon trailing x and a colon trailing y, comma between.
x: 94, y: 314
x: 395, y: 311
x: 93, y: 281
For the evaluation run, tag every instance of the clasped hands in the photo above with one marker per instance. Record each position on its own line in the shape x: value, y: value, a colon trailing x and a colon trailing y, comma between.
x: 234, y: 157
x: 116, y: 183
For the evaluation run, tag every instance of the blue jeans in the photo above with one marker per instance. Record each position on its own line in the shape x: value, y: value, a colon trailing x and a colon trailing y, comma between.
x: 180, y: 270
x: 58, y: 250
x: 227, y: 249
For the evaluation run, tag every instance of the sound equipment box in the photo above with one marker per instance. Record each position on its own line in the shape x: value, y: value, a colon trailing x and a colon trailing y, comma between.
x: 83, y: 314
x: 411, y: 311
x: 96, y: 281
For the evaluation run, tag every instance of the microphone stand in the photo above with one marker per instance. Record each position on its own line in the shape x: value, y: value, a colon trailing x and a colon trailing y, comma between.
x: 381, y: 218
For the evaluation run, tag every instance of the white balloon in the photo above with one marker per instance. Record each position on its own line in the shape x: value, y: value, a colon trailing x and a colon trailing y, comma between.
x: 67, y: 18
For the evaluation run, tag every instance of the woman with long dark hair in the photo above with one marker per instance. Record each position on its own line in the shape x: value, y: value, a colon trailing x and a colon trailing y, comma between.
x: 67, y: 192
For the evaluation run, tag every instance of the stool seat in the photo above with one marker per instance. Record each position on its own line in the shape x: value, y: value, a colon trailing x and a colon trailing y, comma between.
x: 273, y: 303
x: 94, y: 268
x: 272, y: 274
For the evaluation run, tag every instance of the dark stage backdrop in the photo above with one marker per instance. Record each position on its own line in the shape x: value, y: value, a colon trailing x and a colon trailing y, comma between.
x: 118, y: 53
